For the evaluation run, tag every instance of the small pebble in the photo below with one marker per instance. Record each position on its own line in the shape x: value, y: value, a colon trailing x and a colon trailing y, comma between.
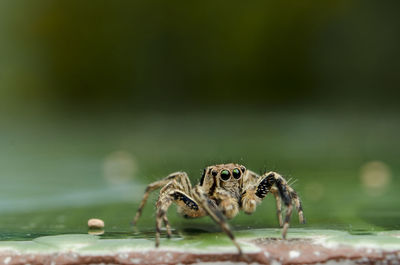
x: 95, y: 223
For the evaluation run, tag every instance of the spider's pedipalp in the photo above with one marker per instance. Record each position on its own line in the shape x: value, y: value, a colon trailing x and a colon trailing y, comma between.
x: 249, y: 201
x: 214, y: 212
x: 228, y: 204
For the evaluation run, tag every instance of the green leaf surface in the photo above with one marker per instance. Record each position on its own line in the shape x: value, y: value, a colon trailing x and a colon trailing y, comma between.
x: 201, y: 242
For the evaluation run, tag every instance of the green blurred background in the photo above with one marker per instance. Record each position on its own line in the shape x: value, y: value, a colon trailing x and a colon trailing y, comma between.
x: 99, y: 98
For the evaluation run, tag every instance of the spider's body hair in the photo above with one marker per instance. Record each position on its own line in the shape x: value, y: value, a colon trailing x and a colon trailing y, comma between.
x: 222, y: 192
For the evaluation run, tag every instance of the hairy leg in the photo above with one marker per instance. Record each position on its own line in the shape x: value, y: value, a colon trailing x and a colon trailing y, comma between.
x: 179, y: 179
x: 299, y: 207
x: 167, y: 226
x: 288, y: 196
x: 278, y: 205
x: 255, y: 190
x: 168, y: 195
x: 278, y: 186
x: 162, y: 206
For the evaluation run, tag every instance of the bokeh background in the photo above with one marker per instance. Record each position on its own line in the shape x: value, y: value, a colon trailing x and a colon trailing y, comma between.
x: 99, y: 98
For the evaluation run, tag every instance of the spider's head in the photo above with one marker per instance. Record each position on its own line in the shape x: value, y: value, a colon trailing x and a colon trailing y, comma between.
x: 223, y: 175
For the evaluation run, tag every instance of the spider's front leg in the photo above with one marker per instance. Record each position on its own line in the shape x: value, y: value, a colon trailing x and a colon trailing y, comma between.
x: 169, y: 194
x: 278, y: 186
x: 179, y: 179
x: 176, y: 188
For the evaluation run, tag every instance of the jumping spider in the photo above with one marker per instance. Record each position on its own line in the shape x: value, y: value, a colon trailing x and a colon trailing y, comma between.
x: 223, y: 190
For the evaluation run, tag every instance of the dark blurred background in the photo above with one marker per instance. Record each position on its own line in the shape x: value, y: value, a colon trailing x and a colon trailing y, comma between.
x: 100, y: 95
x: 134, y: 55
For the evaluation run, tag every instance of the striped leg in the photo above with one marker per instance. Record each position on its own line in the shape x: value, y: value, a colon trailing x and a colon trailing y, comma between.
x: 167, y: 226
x: 168, y: 195
x: 286, y: 193
x: 278, y: 205
x: 180, y: 179
x: 162, y: 205
x: 299, y: 207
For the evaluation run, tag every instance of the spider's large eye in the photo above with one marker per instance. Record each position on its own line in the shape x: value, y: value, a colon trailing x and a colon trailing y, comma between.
x: 236, y: 173
x: 225, y: 175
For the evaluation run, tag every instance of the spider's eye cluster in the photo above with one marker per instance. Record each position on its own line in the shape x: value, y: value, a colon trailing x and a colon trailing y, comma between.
x: 225, y: 175
x: 236, y: 173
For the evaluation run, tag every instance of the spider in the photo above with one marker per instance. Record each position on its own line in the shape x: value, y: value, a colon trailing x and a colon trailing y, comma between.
x: 223, y: 190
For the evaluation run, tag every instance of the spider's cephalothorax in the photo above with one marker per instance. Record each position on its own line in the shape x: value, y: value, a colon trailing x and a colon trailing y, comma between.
x: 223, y: 190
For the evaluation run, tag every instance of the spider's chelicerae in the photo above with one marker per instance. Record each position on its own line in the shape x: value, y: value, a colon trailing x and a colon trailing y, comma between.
x: 223, y: 190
